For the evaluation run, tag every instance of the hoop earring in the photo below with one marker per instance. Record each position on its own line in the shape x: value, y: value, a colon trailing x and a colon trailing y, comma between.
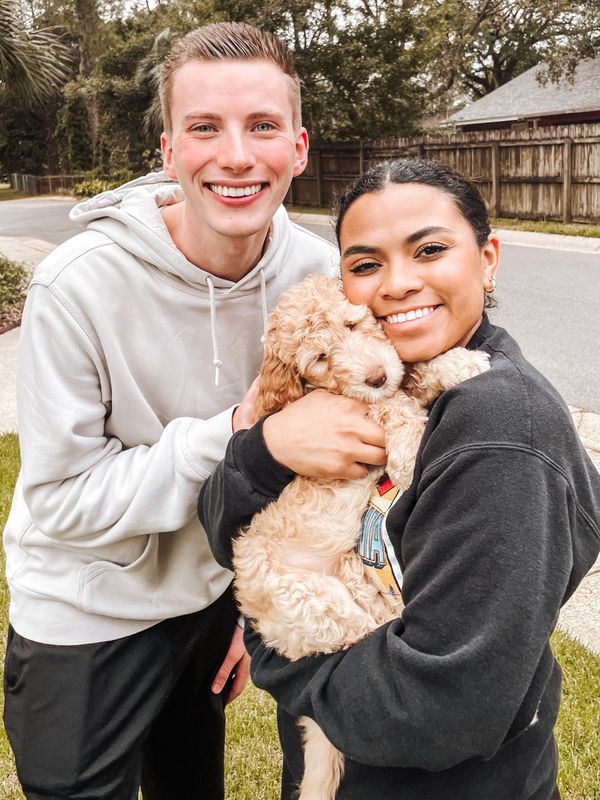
x: 492, y: 287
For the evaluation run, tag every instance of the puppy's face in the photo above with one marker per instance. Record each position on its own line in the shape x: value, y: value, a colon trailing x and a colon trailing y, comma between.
x: 336, y: 345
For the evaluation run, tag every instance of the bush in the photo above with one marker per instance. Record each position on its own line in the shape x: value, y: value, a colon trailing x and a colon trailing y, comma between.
x: 13, y: 282
x: 93, y: 186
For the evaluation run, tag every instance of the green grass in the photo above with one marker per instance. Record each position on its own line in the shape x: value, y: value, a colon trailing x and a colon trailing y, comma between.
x: 253, y: 762
x: 8, y: 193
x: 543, y: 226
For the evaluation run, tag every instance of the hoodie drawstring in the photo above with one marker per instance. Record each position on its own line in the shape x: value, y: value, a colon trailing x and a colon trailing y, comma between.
x: 217, y: 363
x: 263, y: 300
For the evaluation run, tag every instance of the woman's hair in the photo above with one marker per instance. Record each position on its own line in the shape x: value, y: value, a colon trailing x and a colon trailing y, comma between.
x: 429, y: 173
x: 462, y: 191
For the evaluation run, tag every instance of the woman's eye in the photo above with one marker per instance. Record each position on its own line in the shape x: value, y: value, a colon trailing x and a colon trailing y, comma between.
x: 364, y: 268
x: 431, y: 250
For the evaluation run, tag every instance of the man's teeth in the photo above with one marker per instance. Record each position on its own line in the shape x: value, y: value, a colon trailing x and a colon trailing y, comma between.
x: 231, y: 191
x: 410, y: 315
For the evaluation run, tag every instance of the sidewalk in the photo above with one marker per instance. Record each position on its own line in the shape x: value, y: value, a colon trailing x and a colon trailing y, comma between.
x: 580, y: 618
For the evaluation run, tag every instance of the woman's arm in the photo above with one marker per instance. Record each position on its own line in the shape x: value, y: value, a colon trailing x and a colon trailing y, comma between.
x: 487, y: 557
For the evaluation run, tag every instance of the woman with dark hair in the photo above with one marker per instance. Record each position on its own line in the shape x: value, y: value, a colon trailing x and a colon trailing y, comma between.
x: 456, y: 698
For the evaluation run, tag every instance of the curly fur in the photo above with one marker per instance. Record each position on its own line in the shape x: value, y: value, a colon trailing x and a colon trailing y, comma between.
x: 298, y: 575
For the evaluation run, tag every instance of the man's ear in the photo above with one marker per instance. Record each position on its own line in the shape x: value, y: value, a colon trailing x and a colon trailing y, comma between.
x: 301, y: 158
x: 167, y: 154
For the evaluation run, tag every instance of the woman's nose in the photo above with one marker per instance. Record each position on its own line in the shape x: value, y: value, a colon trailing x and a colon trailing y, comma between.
x: 401, y: 278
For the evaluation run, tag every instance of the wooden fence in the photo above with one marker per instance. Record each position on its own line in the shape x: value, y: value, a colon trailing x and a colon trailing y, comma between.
x: 544, y: 173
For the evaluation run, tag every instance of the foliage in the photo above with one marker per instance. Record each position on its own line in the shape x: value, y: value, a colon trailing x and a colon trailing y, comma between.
x: 369, y: 68
x: 93, y: 186
x: 33, y: 63
x: 13, y: 282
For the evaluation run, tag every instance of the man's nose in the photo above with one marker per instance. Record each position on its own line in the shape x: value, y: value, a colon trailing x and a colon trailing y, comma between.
x: 236, y: 153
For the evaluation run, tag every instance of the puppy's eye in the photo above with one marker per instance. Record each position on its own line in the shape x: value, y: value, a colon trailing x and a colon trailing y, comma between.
x: 351, y: 325
x: 322, y: 357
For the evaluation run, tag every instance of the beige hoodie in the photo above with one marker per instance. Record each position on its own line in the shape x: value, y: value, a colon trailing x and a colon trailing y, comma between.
x: 120, y: 420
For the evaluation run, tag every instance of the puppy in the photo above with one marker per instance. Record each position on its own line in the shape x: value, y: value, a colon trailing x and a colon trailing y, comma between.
x: 298, y: 575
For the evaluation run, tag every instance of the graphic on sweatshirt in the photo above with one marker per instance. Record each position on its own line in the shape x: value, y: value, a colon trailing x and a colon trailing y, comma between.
x: 374, y: 545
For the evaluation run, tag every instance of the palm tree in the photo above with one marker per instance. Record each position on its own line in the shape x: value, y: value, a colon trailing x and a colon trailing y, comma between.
x: 33, y: 64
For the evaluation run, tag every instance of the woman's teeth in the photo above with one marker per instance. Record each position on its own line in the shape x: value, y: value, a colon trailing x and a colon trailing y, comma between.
x: 231, y: 191
x: 418, y: 313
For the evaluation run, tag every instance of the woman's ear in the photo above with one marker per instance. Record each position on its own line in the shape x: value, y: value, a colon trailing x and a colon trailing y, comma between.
x: 279, y: 385
x: 490, y: 259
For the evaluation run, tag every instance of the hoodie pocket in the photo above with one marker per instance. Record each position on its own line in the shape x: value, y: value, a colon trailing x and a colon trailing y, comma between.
x: 110, y: 588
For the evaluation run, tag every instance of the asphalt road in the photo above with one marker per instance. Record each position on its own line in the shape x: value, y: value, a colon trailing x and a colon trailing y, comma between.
x: 548, y: 299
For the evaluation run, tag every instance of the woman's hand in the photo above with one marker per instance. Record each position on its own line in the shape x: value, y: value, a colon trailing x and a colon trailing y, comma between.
x: 323, y: 435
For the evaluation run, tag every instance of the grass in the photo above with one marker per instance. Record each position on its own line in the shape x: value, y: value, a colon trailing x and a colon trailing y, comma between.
x: 547, y: 226
x: 253, y: 761
x: 8, y: 193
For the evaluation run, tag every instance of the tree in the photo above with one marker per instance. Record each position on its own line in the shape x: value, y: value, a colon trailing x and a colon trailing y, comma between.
x: 487, y: 43
x: 34, y: 64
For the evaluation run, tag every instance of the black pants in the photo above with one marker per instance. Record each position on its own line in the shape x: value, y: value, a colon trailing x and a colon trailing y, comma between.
x: 96, y: 721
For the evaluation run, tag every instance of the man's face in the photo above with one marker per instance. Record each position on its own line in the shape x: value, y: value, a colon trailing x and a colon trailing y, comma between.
x: 232, y: 146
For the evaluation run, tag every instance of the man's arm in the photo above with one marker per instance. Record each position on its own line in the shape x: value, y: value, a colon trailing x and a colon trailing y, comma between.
x: 81, y: 484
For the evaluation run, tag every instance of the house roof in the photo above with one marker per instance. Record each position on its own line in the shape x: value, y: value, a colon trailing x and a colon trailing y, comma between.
x: 524, y: 97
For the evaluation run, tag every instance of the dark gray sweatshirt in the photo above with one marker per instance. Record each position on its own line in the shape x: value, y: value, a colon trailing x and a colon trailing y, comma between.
x: 457, y: 698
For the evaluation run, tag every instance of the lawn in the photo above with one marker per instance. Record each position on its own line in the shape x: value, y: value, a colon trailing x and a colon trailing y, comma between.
x: 252, y: 750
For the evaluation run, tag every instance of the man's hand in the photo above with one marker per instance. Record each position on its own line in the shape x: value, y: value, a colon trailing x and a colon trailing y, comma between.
x: 244, y: 415
x: 324, y: 435
x: 236, y: 664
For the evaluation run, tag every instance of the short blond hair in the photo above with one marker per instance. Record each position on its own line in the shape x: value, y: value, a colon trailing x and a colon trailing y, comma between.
x: 228, y: 41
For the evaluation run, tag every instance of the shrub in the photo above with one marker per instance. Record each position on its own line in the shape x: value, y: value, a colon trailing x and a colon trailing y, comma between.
x: 93, y: 186
x: 13, y: 282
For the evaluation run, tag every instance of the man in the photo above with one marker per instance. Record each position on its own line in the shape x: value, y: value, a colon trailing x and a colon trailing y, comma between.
x: 139, y: 338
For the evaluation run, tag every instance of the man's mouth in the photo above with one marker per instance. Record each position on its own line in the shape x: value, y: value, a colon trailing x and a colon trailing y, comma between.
x: 235, y: 191
x: 417, y: 313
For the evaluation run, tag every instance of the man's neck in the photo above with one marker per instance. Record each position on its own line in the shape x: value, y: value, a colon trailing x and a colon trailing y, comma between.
x: 221, y: 256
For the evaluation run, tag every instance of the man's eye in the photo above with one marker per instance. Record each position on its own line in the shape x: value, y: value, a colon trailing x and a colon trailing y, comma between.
x: 203, y: 128
x: 430, y: 250
x: 264, y: 127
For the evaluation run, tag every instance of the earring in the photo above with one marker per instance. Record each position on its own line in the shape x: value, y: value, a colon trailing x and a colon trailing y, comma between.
x: 492, y: 286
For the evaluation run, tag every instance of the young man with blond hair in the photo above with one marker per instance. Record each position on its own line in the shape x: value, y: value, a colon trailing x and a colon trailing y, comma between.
x: 141, y: 335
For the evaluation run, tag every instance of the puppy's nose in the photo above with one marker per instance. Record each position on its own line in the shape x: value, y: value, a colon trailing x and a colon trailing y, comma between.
x: 376, y: 378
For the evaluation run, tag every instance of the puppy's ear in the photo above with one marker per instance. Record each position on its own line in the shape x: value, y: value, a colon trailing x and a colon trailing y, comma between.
x: 279, y: 384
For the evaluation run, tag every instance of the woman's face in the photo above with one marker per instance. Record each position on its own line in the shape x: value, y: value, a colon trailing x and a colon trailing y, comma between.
x: 408, y: 253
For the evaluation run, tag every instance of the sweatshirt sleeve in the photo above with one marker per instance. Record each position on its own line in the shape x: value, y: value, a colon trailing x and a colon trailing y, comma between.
x: 82, y: 485
x: 487, y: 554
x: 241, y: 485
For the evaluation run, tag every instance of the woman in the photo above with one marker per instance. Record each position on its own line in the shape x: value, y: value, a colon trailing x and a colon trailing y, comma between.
x: 457, y: 698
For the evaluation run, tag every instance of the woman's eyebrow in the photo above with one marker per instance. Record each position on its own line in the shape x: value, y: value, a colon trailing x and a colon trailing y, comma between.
x: 422, y: 232
x: 359, y: 249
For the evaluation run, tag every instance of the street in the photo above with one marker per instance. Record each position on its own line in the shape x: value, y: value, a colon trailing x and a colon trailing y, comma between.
x: 548, y: 299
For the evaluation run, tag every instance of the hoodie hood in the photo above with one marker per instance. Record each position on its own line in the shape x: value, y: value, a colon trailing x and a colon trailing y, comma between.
x: 130, y: 216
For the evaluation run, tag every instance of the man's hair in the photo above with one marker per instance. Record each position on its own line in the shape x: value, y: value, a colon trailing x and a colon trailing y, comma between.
x: 227, y: 41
